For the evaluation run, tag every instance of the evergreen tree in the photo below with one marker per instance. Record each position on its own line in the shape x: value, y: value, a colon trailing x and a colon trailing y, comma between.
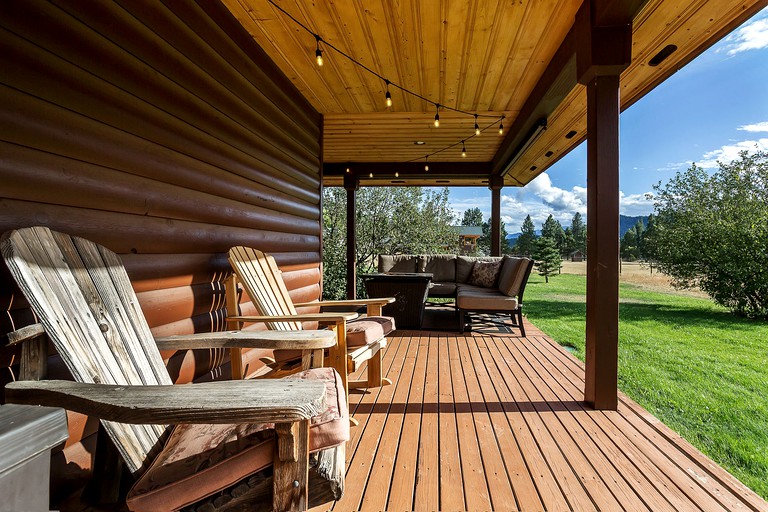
x: 554, y: 230
x: 472, y: 217
x: 548, y: 260
x: 579, y: 232
x: 569, y: 244
x: 648, y: 250
x: 628, y: 247
x: 484, y: 242
x: 526, y: 241
x: 640, y: 232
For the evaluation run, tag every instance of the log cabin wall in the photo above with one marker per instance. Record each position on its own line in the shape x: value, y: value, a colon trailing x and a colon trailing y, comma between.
x: 162, y: 131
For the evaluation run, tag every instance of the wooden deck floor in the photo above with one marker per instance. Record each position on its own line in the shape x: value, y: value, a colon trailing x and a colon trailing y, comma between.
x: 493, y: 421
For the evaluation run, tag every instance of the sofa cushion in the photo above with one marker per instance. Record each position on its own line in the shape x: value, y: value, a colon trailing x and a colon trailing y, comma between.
x: 508, y: 276
x: 442, y: 289
x: 397, y: 263
x: 464, y: 266
x: 441, y: 266
x: 485, y: 273
x: 200, y: 460
x: 480, y: 301
x: 369, y: 329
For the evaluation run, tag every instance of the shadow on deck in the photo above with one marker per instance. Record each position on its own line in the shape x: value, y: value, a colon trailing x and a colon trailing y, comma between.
x: 491, y: 420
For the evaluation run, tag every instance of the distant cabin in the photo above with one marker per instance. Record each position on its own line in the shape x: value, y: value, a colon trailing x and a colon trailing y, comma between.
x: 577, y: 256
x: 468, y: 237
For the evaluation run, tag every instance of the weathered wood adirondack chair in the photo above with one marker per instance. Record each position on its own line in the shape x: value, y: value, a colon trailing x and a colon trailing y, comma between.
x: 225, y: 432
x: 357, y: 340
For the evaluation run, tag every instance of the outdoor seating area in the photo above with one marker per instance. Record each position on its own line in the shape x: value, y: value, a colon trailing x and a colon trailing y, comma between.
x: 493, y: 285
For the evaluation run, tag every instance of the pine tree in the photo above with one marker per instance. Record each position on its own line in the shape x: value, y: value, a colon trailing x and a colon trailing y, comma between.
x: 526, y: 241
x: 472, y: 217
x: 548, y: 260
x: 579, y: 231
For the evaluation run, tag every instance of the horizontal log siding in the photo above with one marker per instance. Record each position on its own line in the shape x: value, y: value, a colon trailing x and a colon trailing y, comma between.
x: 160, y: 130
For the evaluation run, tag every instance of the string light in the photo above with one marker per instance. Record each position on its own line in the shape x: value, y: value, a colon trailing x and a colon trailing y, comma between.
x: 318, y: 51
x: 370, y: 175
x: 388, y: 95
x: 426, y: 163
x: 397, y: 174
x: 463, y: 150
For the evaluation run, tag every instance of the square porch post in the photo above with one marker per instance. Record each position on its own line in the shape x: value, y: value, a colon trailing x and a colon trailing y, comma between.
x: 351, y: 184
x: 603, y: 51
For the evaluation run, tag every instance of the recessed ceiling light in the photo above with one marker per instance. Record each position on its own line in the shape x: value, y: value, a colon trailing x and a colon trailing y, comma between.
x: 419, y: 142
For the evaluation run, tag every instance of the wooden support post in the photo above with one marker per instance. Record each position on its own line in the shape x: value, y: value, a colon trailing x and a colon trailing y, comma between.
x: 291, y: 471
x: 602, y: 243
x: 604, y: 41
x: 351, y: 184
x: 496, y: 183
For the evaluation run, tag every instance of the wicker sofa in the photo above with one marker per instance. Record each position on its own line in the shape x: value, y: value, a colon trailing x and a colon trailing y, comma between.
x: 456, y: 277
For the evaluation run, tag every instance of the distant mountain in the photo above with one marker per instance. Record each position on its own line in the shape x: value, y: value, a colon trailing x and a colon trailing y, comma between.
x: 625, y: 224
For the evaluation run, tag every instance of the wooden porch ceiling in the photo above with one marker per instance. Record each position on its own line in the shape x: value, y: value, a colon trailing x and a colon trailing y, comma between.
x: 489, y: 57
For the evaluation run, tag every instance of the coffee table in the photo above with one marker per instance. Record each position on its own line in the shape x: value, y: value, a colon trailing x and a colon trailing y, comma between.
x: 410, y: 291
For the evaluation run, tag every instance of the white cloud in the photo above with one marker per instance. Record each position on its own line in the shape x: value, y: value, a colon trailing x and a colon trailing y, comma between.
x: 635, y: 204
x: 557, y: 198
x: 731, y: 152
x: 675, y: 166
x: 756, y: 127
x: 752, y: 36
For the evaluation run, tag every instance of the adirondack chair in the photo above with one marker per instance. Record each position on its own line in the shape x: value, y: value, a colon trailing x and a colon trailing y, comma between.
x: 225, y: 433
x: 358, y: 340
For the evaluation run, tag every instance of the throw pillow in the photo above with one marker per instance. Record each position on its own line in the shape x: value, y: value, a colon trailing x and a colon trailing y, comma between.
x: 485, y: 273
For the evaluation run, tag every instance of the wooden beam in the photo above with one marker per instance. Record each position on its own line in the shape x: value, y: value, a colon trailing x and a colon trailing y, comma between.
x: 497, y: 183
x: 599, y: 69
x: 472, y: 169
x: 351, y: 184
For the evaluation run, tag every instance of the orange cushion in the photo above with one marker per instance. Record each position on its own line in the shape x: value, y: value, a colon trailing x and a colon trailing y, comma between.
x: 200, y: 460
x: 369, y: 329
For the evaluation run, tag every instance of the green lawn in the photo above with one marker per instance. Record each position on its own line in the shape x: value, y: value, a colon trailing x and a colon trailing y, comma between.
x: 699, y: 369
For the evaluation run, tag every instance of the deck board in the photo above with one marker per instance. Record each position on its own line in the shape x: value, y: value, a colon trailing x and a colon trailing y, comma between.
x: 490, y: 420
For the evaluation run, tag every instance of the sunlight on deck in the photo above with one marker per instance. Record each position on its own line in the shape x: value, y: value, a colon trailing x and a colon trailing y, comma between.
x: 490, y: 420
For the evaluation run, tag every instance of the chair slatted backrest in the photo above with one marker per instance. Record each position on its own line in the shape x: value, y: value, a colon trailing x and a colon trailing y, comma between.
x: 264, y: 283
x: 81, y: 294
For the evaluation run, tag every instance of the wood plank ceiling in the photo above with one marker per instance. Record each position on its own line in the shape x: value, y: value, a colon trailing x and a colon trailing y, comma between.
x: 485, y: 56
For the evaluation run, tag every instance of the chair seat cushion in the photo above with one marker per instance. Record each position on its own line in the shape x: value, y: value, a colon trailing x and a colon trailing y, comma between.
x: 200, y: 460
x: 486, y: 301
x: 369, y: 329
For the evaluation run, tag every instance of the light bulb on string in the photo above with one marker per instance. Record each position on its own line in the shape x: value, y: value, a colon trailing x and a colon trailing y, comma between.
x: 463, y: 150
x: 318, y: 51
x: 370, y: 175
x: 437, y: 115
x: 477, y: 126
x: 388, y: 96
x: 426, y: 163
x: 501, y: 127
x: 397, y: 174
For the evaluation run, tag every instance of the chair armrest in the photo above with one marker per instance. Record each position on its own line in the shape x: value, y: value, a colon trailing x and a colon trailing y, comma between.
x: 308, y: 317
x: 235, y: 401
x: 379, y: 301
x: 305, y: 340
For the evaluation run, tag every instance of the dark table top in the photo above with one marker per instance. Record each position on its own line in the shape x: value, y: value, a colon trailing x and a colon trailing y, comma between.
x: 398, y: 276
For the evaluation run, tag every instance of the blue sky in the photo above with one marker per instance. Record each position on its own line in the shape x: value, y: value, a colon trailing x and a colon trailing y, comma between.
x: 708, y: 111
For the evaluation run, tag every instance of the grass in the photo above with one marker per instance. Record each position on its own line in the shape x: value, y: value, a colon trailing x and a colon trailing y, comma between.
x: 696, y: 367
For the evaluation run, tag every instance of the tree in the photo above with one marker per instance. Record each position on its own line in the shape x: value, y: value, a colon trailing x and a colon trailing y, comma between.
x: 579, y: 232
x: 640, y: 235
x: 484, y: 242
x: 389, y: 221
x: 711, y: 231
x: 472, y: 217
x: 525, y: 244
x: 628, y: 247
x: 554, y: 230
x: 548, y: 260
